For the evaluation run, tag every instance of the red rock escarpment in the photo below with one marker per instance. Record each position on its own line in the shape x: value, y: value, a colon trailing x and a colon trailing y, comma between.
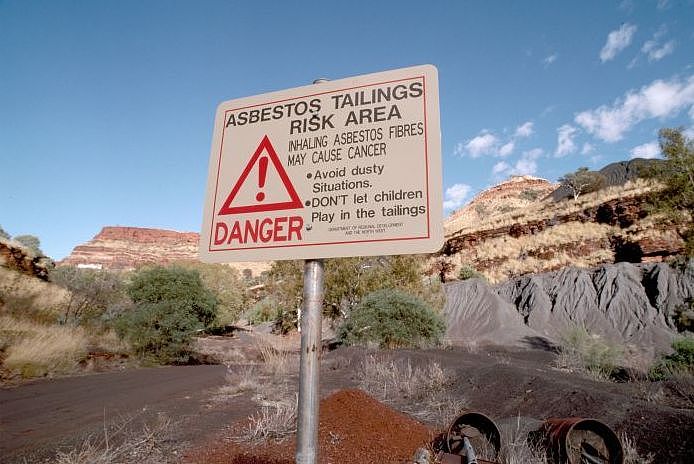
x: 129, y: 247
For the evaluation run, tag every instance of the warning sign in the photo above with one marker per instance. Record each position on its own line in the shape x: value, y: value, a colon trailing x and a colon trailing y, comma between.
x: 350, y: 167
x: 260, y: 202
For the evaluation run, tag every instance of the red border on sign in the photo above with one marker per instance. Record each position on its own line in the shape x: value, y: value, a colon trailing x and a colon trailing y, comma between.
x: 426, y: 163
x: 293, y: 203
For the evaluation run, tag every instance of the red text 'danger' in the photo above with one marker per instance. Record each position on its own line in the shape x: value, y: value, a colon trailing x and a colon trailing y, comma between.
x: 264, y: 230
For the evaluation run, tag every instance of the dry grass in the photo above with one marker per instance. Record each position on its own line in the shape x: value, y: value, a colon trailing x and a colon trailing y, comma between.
x: 517, y: 256
x: 549, y: 208
x: 122, y: 445
x: 241, y: 381
x: 273, y: 422
x: 530, y: 264
x: 33, y: 349
x: 423, y: 392
x: 277, y: 354
x: 631, y: 454
x: 589, y: 353
x: 515, y: 448
x: 30, y: 297
x: 551, y: 238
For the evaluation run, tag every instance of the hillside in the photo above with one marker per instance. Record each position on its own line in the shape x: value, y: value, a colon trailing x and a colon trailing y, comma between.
x: 17, y: 257
x: 518, y: 227
x: 117, y: 248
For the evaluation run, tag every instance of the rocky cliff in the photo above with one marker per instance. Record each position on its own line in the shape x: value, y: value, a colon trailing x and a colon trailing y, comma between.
x: 629, y: 304
x: 15, y: 256
x: 518, y: 227
x: 514, y: 193
x: 129, y: 247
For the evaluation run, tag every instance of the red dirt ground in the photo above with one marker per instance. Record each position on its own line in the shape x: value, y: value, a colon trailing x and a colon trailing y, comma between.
x: 354, y: 429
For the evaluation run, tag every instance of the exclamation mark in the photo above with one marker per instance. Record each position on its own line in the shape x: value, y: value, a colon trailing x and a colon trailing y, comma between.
x: 260, y: 196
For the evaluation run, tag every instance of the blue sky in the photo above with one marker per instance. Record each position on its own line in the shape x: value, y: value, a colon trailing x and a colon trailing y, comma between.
x: 106, y: 107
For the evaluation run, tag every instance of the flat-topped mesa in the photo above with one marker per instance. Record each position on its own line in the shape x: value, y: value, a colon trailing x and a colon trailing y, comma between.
x: 129, y: 247
x: 147, y: 235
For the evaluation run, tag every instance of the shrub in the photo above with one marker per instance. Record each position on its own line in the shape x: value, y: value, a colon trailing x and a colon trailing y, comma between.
x: 32, y: 242
x: 581, y: 350
x: 171, y: 304
x: 681, y: 360
x: 226, y: 285
x: 92, y: 291
x: 582, y: 181
x: 468, y: 272
x: 264, y: 310
x: 529, y: 195
x: 392, y: 318
x: 174, y: 284
x: 347, y: 281
x: 161, y: 332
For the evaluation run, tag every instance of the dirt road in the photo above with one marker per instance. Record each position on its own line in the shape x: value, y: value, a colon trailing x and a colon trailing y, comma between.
x: 47, y: 415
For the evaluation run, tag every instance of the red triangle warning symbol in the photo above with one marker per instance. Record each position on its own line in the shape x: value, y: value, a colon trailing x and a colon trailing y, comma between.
x: 265, y: 147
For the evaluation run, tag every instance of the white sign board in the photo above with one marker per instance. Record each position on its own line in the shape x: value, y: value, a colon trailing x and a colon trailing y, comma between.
x: 350, y: 167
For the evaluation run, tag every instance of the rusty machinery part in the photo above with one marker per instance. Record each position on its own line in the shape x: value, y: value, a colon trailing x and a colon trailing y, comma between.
x: 482, y: 435
x: 448, y: 458
x: 582, y: 441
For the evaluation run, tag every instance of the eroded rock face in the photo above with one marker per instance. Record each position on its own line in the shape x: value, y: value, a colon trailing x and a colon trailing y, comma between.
x: 15, y: 256
x: 508, y: 194
x: 129, y: 247
x: 629, y: 304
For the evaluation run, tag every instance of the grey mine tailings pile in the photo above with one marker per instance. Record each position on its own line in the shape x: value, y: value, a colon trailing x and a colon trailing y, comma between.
x: 629, y: 304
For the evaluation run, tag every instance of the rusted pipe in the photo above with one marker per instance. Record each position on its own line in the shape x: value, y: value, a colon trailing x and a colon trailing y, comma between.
x: 576, y: 440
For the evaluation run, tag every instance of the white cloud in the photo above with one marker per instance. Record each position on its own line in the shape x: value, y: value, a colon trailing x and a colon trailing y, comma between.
x: 550, y: 59
x: 501, y: 166
x: 617, y: 41
x: 565, y: 140
x: 525, y: 129
x: 525, y: 167
x: 455, y: 196
x: 587, y: 149
x: 657, y: 52
x: 663, y: 4
x: 647, y: 150
x: 659, y: 99
x: 533, y: 154
x: 483, y: 144
x: 506, y: 149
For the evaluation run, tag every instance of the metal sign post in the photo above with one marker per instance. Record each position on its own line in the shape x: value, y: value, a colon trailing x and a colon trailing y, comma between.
x: 307, y: 420
x: 309, y: 368
x: 348, y: 168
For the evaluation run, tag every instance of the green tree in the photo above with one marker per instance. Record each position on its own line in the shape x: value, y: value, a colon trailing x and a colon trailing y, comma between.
x: 582, y: 181
x: 160, y: 331
x: 285, y: 290
x: 166, y: 284
x: 347, y: 281
x: 30, y: 241
x: 93, y: 292
x: 392, y: 318
x: 676, y: 174
x: 171, y: 305
x: 228, y: 287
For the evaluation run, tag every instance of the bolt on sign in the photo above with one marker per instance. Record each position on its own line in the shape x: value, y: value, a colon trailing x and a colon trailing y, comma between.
x: 350, y: 167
